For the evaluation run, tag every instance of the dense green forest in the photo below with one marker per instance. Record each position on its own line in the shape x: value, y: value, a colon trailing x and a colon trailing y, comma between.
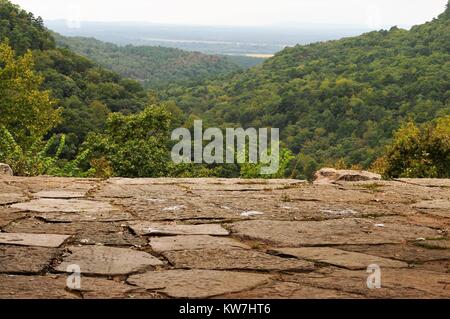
x: 337, y: 103
x: 154, y: 67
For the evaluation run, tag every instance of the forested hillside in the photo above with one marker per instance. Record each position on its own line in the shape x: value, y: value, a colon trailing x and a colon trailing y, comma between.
x: 85, y: 91
x: 337, y: 101
x: 154, y: 67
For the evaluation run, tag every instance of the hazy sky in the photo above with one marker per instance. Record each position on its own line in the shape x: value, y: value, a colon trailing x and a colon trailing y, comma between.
x: 371, y: 13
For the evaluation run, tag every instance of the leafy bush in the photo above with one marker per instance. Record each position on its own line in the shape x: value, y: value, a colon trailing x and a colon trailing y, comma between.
x: 418, y: 151
x: 136, y: 145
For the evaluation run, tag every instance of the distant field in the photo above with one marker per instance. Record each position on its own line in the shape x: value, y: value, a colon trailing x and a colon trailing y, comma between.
x: 260, y: 56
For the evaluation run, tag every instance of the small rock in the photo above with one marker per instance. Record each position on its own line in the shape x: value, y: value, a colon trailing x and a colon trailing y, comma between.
x: 330, y: 176
x: 5, y: 170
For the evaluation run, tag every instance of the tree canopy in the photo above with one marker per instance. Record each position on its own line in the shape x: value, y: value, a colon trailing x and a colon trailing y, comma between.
x: 154, y: 67
x: 335, y: 101
x: 26, y: 111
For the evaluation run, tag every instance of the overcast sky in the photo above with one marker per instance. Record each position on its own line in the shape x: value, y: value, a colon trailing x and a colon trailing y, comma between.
x: 371, y: 13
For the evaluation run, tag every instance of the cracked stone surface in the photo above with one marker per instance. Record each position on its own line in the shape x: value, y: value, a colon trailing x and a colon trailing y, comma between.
x: 26, y: 259
x: 100, y: 260
x: 59, y: 194
x: 330, y: 232
x: 290, y: 290
x: 99, y: 288
x: 396, y: 283
x: 86, y: 233
x: 11, y: 198
x: 340, y: 258
x: 223, y: 238
x: 34, y: 287
x: 161, y: 244
x: 8, y: 215
x: 229, y: 259
x: 437, y: 207
x: 35, y: 240
x: 49, y: 205
x: 113, y: 216
x: 145, y: 228
x: 197, y: 283
x: 412, y: 254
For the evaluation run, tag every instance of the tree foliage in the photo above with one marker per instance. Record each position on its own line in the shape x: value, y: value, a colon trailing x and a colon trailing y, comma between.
x: 155, y: 67
x: 337, y: 103
x: 135, y: 145
x: 337, y: 100
x: 25, y: 31
x: 418, y: 151
x: 76, y: 84
x: 26, y: 111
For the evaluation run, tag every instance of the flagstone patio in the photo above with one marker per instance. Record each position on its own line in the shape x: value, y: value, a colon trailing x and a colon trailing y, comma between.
x: 223, y: 238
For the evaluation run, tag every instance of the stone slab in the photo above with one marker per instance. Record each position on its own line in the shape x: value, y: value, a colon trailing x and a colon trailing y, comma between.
x: 162, y: 244
x: 86, y: 233
x: 233, y: 259
x: 35, y: 240
x: 112, y: 216
x: 290, y: 290
x: 433, y: 204
x: 438, y: 207
x: 330, y: 232
x: 60, y: 194
x: 395, y: 283
x: 155, y: 229
x: 414, y: 253
x: 34, y: 287
x: 427, y: 182
x: 102, y: 260
x: 11, y: 198
x: 197, y: 283
x: 340, y: 258
x: 49, y: 205
x: 101, y: 288
x: 26, y: 260
x: 8, y: 215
